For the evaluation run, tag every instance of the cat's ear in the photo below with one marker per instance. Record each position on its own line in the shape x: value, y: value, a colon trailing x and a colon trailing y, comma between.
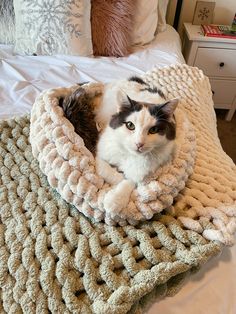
x: 132, y: 103
x: 121, y: 99
x: 124, y: 101
x: 169, y: 107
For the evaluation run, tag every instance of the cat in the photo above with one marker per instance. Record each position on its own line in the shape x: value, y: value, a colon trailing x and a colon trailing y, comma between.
x: 138, y: 137
x: 130, y: 127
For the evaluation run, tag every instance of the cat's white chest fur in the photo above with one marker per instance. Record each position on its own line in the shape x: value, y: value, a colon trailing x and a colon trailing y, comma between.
x: 137, y: 168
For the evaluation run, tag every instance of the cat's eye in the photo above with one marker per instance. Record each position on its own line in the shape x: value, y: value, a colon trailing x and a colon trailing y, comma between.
x: 130, y: 125
x: 153, y: 130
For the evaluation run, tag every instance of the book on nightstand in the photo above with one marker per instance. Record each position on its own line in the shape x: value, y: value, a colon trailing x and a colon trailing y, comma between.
x: 222, y: 31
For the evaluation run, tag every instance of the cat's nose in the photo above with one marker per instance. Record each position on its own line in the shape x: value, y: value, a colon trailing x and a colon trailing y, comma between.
x: 139, y: 145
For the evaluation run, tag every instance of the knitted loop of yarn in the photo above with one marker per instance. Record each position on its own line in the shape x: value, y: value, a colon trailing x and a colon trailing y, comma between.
x: 70, y: 167
x: 55, y: 260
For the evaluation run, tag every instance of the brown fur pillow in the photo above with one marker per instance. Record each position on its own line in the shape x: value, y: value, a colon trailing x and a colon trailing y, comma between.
x: 111, y: 22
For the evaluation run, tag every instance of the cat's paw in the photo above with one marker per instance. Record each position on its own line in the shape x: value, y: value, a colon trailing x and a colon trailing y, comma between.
x: 109, y: 174
x: 118, y: 198
x: 115, y: 179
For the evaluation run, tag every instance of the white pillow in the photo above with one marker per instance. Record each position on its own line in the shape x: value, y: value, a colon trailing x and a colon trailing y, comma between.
x: 145, y: 21
x: 47, y: 27
x: 7, y: 27
x: 162, y: 9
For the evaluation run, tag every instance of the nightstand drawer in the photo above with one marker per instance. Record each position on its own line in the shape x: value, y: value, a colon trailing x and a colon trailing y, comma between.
x: 224, y: 92
x: 216, y: 62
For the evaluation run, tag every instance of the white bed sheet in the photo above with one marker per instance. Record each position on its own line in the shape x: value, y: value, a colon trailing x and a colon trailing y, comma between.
x: 22, y: 78
x: 210, y: 291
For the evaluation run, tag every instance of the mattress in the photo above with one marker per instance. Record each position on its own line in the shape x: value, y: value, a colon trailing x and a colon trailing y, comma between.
x: 212, y: 290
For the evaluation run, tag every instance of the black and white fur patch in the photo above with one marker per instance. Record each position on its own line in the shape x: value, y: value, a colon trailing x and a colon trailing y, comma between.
x: 163, y: 114
x: 126, y: 108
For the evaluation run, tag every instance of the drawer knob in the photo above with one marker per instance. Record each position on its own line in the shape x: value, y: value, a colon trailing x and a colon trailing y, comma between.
x: 222, y: 64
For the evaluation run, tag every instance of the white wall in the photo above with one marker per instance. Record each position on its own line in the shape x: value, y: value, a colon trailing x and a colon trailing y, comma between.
x: 223, y: 13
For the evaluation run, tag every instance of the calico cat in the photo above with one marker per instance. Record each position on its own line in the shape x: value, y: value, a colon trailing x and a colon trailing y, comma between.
x: 139, y: 137
x: 137, y: 133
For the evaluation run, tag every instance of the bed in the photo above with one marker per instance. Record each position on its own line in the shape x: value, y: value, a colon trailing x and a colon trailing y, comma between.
x: 25, y: 83
x: 213, y: 288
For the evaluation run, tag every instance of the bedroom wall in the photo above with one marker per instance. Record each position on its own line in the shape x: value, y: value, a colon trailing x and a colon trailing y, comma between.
x: 223, y: 13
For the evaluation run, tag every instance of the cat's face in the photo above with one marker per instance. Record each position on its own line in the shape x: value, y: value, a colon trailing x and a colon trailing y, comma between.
x: 142, y: 127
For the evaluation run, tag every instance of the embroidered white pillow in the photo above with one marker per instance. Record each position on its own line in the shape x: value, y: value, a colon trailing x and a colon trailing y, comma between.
x: 6, y: 22
x: 145, y: 21
x: 48, y: 27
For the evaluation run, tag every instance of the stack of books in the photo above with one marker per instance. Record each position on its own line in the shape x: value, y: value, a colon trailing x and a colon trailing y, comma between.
x: 222, y: 31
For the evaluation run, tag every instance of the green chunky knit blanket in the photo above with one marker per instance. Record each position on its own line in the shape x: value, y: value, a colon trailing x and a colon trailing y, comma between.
x: 54, y: 259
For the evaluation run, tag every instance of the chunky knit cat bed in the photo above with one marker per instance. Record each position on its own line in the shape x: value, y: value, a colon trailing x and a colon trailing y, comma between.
x: 53, y: 259
x: 70, y: 167
x: 210, y: 192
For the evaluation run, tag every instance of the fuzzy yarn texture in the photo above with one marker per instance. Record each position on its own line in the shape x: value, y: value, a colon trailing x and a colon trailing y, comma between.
x: 53, y: 259
x: 111, y: 23
x: 71, y: 168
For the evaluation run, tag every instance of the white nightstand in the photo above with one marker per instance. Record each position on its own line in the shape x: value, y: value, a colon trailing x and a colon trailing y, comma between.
x: 217, y: 58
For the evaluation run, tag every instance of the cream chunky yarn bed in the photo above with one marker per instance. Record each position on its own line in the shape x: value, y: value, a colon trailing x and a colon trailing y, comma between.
x: 52, y: 258
x: 71, y: 168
